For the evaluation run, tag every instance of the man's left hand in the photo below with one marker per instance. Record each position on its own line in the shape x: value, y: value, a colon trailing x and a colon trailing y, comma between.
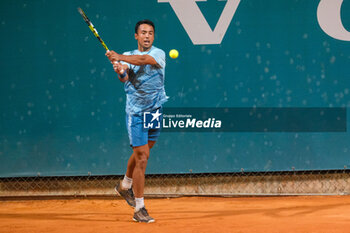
x: 118, y: 68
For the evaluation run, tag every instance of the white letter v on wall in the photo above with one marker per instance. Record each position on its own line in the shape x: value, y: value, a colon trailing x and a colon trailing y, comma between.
x: 195, y: 23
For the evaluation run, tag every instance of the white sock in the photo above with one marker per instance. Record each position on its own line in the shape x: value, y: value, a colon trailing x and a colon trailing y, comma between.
x: 127, y: 182
x: 139, y: 203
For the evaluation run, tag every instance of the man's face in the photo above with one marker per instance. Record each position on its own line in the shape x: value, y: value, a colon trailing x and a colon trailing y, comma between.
x: 145, y: 37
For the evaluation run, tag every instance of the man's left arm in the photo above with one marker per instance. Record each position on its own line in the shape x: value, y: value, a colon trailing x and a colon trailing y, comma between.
x: 137, y: 60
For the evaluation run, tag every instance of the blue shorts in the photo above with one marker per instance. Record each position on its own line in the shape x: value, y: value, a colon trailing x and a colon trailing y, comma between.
x: 138, y: 134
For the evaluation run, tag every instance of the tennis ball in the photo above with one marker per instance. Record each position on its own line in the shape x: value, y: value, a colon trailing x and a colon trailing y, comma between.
x: 173, y: 53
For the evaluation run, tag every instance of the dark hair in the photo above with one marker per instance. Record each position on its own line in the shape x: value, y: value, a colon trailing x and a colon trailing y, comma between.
x: 144, y: 21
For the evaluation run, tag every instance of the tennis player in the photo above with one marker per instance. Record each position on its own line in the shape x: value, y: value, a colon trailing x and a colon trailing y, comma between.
x: 142, y: 71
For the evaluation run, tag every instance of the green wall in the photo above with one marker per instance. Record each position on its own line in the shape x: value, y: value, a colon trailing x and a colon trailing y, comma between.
x: 62, y: 107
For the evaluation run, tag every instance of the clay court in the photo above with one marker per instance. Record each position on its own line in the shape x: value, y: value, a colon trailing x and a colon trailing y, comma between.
x: 185, y: 214
x: 252, y: 99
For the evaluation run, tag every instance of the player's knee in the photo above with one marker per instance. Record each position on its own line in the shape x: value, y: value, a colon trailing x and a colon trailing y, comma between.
x: 141, y: 154
x: 141, y: 158
x: 142, y: 163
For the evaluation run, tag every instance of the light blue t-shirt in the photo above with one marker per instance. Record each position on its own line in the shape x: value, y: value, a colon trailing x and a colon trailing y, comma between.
x: 145, y: 87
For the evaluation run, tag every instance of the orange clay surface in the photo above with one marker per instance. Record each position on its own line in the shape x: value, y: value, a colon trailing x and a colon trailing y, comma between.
x: 187, y: 214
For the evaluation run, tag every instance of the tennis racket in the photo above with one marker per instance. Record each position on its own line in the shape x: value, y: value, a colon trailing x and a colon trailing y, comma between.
x: 93, y: 29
